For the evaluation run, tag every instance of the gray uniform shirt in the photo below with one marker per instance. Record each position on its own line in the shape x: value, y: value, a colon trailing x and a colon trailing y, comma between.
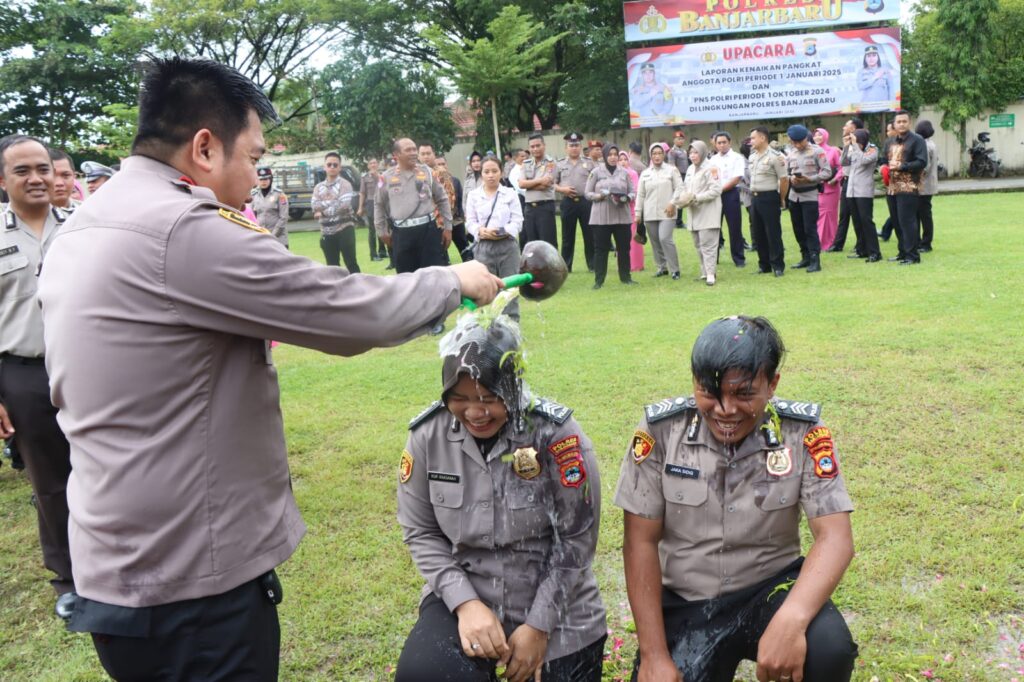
x: 930, y: 178
x: 728, y: 522
x: 157, y: 303
x: 405, y: 195
x: 861, y: 174
x: 21, y: 252
x: 767, y: 168
x: 272, y: 212
x: 574, y: 174
x: 534, y: 170
x: 813, y: 163
x: 680, y: 158
x: 601, y: 183
x: 516, y: 528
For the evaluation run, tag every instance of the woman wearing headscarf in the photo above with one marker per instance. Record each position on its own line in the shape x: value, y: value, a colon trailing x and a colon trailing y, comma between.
x: 861, y: 157
x: 929, y: 185
x: 636, y: 248
x: 702, y: 193
x: 610, y: 190
x: 654, y: 210
x: 499, y: 503
x: 828, y: 197
x: 474, y: 178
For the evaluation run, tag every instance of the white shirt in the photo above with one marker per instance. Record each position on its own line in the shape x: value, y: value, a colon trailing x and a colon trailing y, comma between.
x: 730, y: 165
x: 506, y: 212
x: 513, y: 178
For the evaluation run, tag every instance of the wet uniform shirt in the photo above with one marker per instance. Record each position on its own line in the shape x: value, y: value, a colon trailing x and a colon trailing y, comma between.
x: 516, y: 528
x: 731, y: 514
x: 406, y: 195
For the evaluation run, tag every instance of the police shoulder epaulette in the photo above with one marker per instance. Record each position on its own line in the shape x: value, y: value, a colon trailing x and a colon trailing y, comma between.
x: 58, y: 215
x: 425, y: 414
x: 805, y: 412
x: 669, y: 407
x: 551, y: 410
x: 239, y: 219
x: 10, y: 220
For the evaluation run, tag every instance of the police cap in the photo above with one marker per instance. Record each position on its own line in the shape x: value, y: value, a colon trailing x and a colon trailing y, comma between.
x: 573, y: 138
x: 797, y: 133
x: 94, y: 170
x: 264, y: 173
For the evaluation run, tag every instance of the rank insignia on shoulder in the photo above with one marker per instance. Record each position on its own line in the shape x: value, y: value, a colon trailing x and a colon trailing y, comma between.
x: 779, y: 462
x: 668, y: 407
x: 239, y: 219
x: 425, y: 414
x: 525, y: 464
x: 643, y: 445
x: 405, y: 467
x: 807, y: 412
x: 551, y: 410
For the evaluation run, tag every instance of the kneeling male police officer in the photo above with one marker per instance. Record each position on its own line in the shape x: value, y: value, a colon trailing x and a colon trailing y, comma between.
x: 157, y: 298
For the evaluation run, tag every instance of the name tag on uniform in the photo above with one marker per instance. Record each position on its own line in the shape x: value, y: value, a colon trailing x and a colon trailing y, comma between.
x: 441, y: 476
x: 8, y: 250
x: 681, y: 471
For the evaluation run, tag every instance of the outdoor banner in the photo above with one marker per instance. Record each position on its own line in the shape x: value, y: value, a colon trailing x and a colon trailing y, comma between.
x: 660, y: 19
x: 790, y: 76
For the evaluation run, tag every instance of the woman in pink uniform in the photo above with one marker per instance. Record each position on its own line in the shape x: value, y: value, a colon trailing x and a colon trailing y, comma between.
x: 828, y: 198
x: 636, y: 249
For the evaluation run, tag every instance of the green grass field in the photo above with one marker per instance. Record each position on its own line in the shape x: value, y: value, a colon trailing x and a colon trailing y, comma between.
x: 919, y: 372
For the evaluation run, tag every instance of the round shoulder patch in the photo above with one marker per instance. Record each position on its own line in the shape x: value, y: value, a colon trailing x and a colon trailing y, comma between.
x: 405, y: 467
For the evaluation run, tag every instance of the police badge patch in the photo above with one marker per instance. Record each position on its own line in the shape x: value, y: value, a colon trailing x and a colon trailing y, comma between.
x: 643, y: 445
x: 779, y: 462
x: 525, y: 464
x: 405, y: 467
x: 573, y: 474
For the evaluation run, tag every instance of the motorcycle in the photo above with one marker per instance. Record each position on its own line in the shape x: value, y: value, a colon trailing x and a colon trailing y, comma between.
x: 984, y: 160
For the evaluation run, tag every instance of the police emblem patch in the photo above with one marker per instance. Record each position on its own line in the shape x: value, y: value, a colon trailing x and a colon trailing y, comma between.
x: 563, y: 447
x: 573, y: 474
x: 643, y: 445
x: 405, y: 467
x: 525, y: 464
x: 779, y: 462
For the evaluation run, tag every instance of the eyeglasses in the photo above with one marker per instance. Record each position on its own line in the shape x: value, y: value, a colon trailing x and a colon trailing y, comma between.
x: 332, y: 165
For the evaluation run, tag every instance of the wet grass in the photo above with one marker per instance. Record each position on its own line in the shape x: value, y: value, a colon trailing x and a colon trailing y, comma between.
x: 919, y: 371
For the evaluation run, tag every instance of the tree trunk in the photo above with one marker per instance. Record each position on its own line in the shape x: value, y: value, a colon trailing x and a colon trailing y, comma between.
x: 494, y: 122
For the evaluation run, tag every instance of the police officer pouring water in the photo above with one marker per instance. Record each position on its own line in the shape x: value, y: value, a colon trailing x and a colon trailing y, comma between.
x: 180, y: 498
x: 27, y: 230
x: 538, y: 179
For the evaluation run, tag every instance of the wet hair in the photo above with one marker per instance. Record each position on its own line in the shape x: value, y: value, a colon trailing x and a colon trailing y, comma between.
x: 858, y: 123
x: 535, y: 136
x: 179, y: 97
x: 13, y: 141
x: 750, y: 345
x: 61, y: 155
x: 925, y: 128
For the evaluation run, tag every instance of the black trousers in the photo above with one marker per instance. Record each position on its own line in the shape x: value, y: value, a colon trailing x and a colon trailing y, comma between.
x: 602, y: 245
x: 766, y: 230
x: 462, y: 242
x: 707, y: 639
x: 343, y: 243
x: 25, y: 388
x: 924, y: 214
x: 573, y: 212
x: 417, y: 247
x: 845, y: 214
x: 890, y: 224
x: 433, y: 652
x: 864, y: 225
x: 804, y: 215
x: 539, y: 223
x: 223, y: 638
x: 906, y: 225
x: 733, y: 214
x: 378, y: 249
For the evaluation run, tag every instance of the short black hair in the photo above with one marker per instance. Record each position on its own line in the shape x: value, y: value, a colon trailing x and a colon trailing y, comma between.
x: 14, y: 140
x: 535, y: 136
x: 858, y: 123
x: 421, y: 145
x: 490, y: 158
x: 900, y: 112
x: 761, y: 129
x: 335, y: 155
x: 180, y: 97
x: 722, y: 133
x: 925, y: 128
x: 60, y: 154
x: 750, y: 345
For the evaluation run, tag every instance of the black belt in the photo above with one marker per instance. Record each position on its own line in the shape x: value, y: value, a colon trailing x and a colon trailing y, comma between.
x: 767, y: 191
x: 535, y: 204
x: 19, y: 360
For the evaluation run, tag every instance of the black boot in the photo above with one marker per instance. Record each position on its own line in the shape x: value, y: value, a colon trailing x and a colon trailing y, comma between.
x: 805, y: 260
x: 814, y: 265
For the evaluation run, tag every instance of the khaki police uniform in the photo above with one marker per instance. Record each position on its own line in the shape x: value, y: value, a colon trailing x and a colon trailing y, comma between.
x: 515, y: 526
x: 767, y: 170
x: 803, y: 200
x: 367, y: 198
x: 539, y: 214
x: 405, y: 208
x: 24, y: 385
x: 180, y: 493
x: 575, y: 209
x: 731, y: 518
x: 272, y: 212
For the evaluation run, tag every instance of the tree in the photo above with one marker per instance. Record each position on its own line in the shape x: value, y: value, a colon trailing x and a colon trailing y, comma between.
x: 369, y: 106
x: 507, y: 61
x: 116, y: 129
x: 56, y: 75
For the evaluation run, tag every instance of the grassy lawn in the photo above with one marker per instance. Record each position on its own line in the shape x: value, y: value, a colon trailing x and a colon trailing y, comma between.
x: 919, y: 372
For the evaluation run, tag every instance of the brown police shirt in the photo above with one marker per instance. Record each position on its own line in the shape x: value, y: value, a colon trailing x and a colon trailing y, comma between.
x: 406, y: 195
x: 158, y: 303
x: 731, y: 514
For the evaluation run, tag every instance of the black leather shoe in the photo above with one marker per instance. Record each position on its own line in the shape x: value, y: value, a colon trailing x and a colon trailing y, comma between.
x: 630, y: 281
x: 779, y: 273
x: 741, y: 265
x: 390, y: 267
x: 910, y: 262
x: 437, y: 329
x: 66, y: 604
x: 873, y: 259
x: 833, y: 249
x: 661, y: 273
x: 895, y: 259
x: 924, y: 249
x: 856, y: 255
x: 750, y: 247
x: 762, y: 271
x: 675, y: 275
x: 597, y: 286
x: 802, y: 264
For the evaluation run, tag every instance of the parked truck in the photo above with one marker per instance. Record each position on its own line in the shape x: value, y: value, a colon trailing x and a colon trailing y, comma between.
x: 298, y: 182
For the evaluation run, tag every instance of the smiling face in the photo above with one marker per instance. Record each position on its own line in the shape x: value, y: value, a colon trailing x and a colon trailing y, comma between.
x: 657, y: 156
x: 742, y: 406
x: 28, y: 175
x: 818, y: 138
x: 478, y: 409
